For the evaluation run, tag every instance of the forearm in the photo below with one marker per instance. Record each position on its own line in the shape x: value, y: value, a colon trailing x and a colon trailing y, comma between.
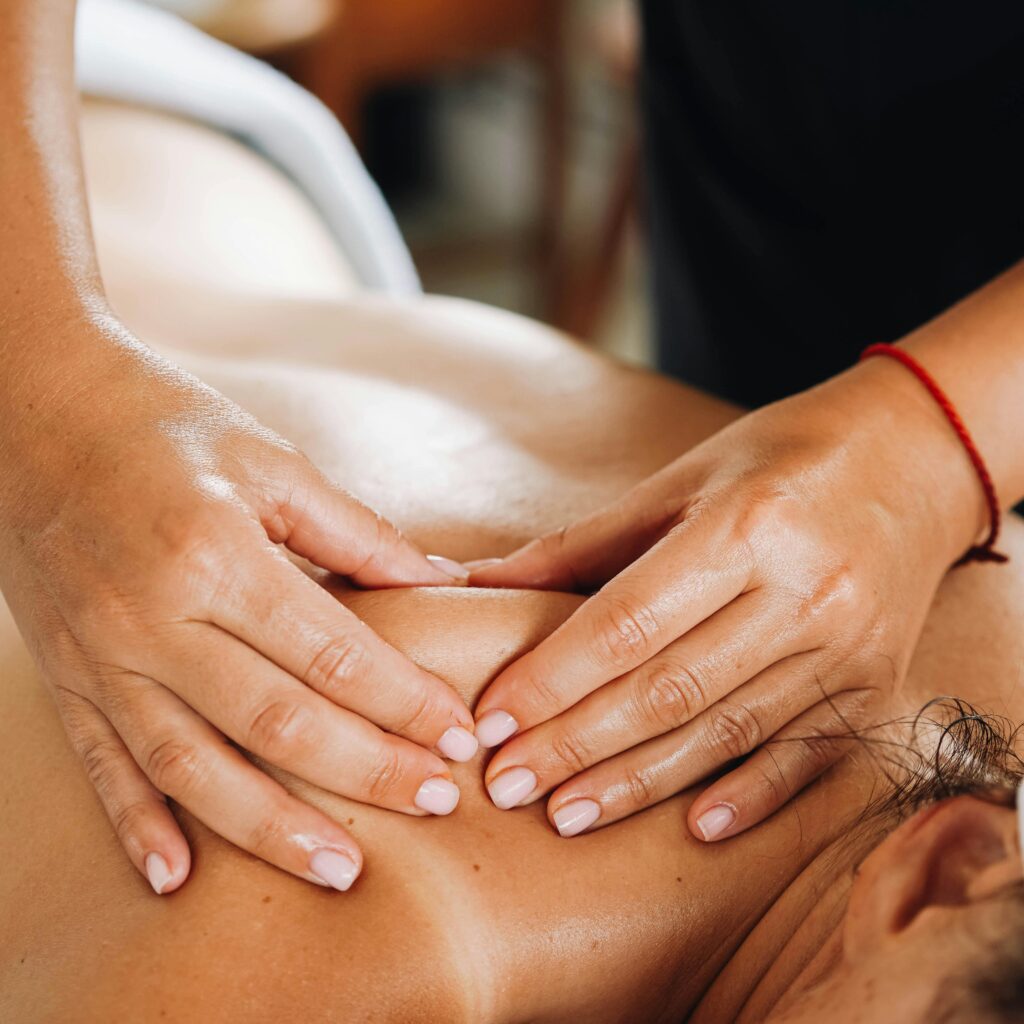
x: 55, y: 338
x: 47, y: 262
x: 976, y: 352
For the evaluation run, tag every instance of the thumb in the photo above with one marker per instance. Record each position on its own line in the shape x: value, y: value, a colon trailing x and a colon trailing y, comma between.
x: 583, y: 556
x: 320, y: 521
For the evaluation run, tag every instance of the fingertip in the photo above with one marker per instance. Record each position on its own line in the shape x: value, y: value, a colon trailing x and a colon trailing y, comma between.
x: 455, y: 573
x: 718, y: 820
x: 458, y: 744
x: 574, y: 817
x: 478, y: 564
x: 438, y: 796
x: 335, y: 869
x: 165, y: 874
x: 494, y: 727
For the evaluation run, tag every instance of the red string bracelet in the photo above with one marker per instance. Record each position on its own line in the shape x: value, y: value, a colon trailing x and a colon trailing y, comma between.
x: 985, y: 551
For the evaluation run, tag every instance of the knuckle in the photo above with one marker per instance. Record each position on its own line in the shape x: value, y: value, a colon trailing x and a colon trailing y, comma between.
x: 268, y: 835
x: 762, y: 515
x: 554, y: 546
x: 336, y: 667
x: 184, y: 537
x: 174, y: 767
x: 815, y: 752
x: 625, y: 630
x: 386, y: 775
x: 673, y: 696
x: 129, y: 820
x: 771, y: 788
x: 837, y: 592
x: 420, y: 711
x: 640, y: 787
x: 101, y: 759
x: 572, y: 752
x: 279, y: 728
x: 734, y: 730
x: 539, y: 695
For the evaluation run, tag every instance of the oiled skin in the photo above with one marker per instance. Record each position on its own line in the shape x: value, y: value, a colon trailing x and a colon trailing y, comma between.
x: 472, y: 430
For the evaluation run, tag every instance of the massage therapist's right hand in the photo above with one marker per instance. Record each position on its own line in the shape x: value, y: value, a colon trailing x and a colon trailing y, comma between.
x: 142, y: 521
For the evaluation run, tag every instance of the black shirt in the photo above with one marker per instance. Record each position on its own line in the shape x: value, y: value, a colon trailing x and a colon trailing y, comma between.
x: 823, y: 174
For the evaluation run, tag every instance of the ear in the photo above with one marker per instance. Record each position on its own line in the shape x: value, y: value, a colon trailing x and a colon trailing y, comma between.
x: 953, y: 854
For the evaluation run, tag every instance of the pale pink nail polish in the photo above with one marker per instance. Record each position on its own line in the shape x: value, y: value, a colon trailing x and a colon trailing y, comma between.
x: 449, y: 567
x: 334, y: 868
x: 482, y: 563
x: 575, y: 817
x: 458, y: 744
x: 437, y: 796
x: 714, y: 821
x: 512, y: 787
x: 495, y: 727
x: 157, y: 871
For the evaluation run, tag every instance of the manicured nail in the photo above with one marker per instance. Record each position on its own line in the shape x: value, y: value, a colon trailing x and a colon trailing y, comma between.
x: 512, y: 787
x: 574, y: 817
x: 481, y: 563
x: 157, y: 871
x: 495, y: 727
x: 437, y: 796
x: 456, y: 570
x: 458, y: 744
x: 334, y: 869
x: 714, y: 821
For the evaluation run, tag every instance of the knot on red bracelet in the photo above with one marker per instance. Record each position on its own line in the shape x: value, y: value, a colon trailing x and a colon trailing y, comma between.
x: 985, y: 551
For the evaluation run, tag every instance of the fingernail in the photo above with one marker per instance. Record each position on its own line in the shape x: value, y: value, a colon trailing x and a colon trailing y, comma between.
x: 511, y: 787
x: 333, y: 868
x: 714, y: 821
x: 449, y: 567
x: 481, y: 563
x: 157, y: 871
x: 574, y: 817
x: 458, y: 744
x: 437, y: 796
x: 495, y: 727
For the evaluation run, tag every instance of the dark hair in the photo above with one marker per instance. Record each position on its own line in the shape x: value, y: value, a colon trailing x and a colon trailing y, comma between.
x: 956, y: 749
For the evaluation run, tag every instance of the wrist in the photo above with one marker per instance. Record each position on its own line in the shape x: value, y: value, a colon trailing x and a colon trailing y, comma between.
x: 923, y: 461
x: 55, y: 397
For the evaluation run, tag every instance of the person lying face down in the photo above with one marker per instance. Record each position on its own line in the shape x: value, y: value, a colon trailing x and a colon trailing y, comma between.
x: 489, y: 916
x: 832, y: 909
x: 932, y: 929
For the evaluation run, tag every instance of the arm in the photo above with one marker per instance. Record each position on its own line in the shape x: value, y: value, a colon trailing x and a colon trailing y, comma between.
x: 141, y: 522
x: 768, y: 586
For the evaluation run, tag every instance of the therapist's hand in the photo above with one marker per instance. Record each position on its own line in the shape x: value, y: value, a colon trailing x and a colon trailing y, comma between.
x: 140, y: 518
x: 762, y: 594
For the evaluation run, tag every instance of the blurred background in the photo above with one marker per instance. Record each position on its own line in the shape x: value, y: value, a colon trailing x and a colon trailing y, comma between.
x: 503, y: 134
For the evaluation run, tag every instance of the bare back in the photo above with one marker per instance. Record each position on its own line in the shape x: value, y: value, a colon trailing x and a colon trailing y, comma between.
x: 473, y: 430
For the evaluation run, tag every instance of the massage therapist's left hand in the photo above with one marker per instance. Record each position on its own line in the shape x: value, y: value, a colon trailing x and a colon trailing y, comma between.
x: 769, y: 585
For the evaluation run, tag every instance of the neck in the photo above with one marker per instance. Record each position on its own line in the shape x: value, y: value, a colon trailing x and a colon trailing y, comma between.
x: 796, y: 942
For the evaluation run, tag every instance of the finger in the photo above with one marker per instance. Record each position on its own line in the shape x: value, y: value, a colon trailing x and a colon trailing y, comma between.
x: 324, y: 523
x: 689, y: 676
x: 796, y: 756
x: 589, y: 552
x: 185, y: 757
x: 268, y: 713
x: 685, y: 578
x: 139, y: 813
x: 294, y: 622
x: 660, y: 768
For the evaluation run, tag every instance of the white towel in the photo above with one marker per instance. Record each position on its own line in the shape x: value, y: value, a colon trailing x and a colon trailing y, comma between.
x: 130, y: 52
